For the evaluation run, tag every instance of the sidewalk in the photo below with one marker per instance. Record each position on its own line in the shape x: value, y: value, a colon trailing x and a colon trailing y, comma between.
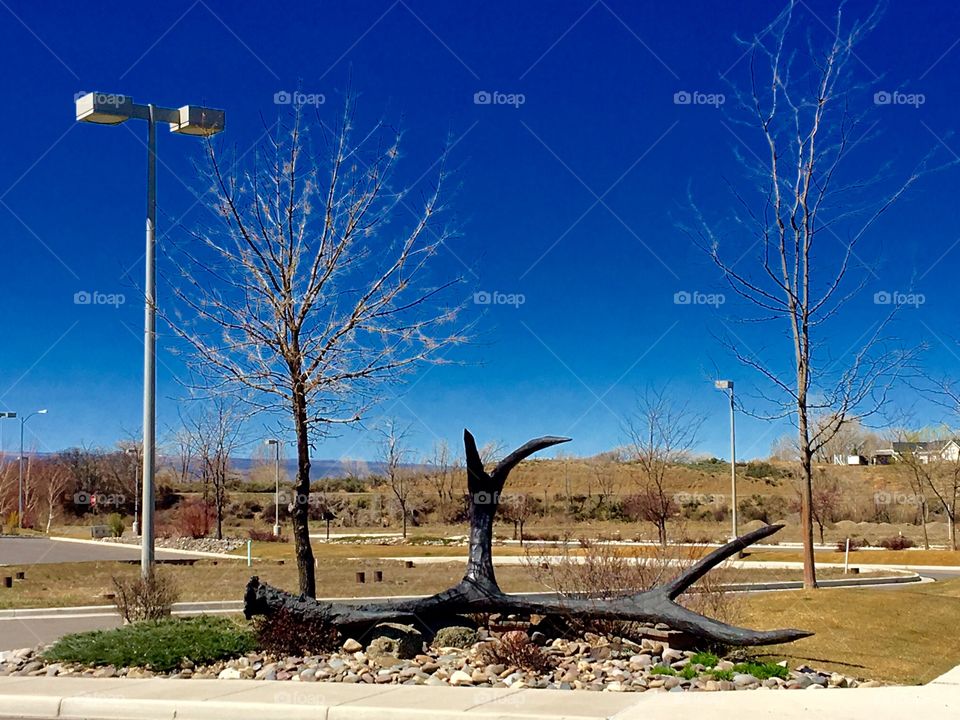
x: 155, y: 699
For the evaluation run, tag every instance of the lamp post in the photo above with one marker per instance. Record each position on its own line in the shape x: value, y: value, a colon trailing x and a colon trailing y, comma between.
x: 728, y: 386
x: 113, y: 109
x: 23, y: 422
x: 136, y: 490
x: 276, y: 497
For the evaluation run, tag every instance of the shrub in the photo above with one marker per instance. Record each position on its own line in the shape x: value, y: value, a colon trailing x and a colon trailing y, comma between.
x: 266, y: 536
x: 689, y: 672
x: 514, y: 648
x: 707, y: 659
x: 897, y: 542
x: 138, y: 598
x: 722, y: 674
x: 282, y: 634
x: 159, y: 645
x: 195, y: 518
x: 762, y: 671
x: 662, y: 670
x: 855, y: 544
x: 116, y: 525
x: 455, y: 636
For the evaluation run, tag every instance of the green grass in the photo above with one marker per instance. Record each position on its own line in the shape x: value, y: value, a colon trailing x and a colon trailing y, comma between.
x: 662, y: 670
x: 158, y: 645
x: 762, y: 670
x: 707, y: 659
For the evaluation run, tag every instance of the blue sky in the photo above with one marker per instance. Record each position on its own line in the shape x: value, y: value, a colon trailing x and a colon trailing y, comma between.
x: 572, y: 199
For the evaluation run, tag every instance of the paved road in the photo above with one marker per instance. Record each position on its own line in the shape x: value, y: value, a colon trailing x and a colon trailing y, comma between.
x: 37, y: 550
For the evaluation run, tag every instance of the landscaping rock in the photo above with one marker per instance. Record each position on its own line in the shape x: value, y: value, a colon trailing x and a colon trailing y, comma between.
x: 352, y: 646
x: 403, y: 641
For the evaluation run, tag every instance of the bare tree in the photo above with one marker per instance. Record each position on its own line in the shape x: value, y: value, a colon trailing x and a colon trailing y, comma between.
x: 441, y: 472
x: 518, y: 508
x: 216, y: 433
x: 810, y: 211
x: 661, y: 433
x: 395, y: 454
x: 319, y: 287
x: 604, y: 469
x: 826, y: 502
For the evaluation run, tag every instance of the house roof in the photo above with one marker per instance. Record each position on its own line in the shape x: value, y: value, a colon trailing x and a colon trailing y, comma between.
x: 922, y: 447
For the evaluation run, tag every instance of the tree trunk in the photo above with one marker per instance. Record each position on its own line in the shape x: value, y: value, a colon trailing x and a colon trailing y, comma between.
x: 806, y: 517
x: 923, y: 522
x: 301, y: 506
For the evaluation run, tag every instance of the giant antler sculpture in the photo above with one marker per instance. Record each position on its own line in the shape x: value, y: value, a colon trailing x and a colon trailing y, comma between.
x: 478, y: 591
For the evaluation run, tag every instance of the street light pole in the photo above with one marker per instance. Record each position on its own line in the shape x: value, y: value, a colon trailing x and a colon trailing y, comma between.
x: 728, y: 385
x: 112, y: 109
x: 276, y: 496
x: 23, y: 422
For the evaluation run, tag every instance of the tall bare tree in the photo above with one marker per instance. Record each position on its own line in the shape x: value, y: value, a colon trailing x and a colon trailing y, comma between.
x: 661, y: 433
x: 806, y: 218
x: 319, y: 286
x: 441, y: 471
x: 216, y: 433
x: 395, y: 453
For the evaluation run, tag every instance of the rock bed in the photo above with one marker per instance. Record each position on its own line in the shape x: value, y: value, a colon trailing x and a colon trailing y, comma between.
x: 593, y: 664
x: 184, y: 543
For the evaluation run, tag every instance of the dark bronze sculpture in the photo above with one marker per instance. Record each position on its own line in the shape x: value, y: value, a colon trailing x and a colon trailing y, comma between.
x: 478, y: 591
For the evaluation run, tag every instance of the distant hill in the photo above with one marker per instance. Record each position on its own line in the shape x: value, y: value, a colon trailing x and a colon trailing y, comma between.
x: 319, y: 468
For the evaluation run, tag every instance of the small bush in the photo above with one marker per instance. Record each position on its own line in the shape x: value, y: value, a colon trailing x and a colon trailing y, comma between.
x: 662, y: 670
x: 282, y: 634
x: 762, y: 671
x: 855, y: 545
x: 455, y: 636
x: 266, y: 536
x: 116, y: 525
x: 722, y: 674
x: 515, y: 649
x: 138, y: 598
x: 707, y: 659
x: 897, y: 542
x: 689, y: 672
x: 159, y: 645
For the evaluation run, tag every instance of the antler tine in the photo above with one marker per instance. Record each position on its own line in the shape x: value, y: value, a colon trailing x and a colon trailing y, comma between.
x: 696, y: 571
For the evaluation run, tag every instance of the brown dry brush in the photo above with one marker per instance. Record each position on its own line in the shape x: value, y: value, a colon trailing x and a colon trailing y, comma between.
x: 139, y: 598
x: 515, y: 649
x: 603, y: 571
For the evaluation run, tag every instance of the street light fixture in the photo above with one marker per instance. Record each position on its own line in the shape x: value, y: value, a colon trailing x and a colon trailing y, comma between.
x: 23, y: 421
x: 113, y: 109
x: 276, y: 497
x: 728, y: 385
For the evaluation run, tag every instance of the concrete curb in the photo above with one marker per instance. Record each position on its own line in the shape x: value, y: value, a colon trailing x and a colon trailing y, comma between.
x: 161, y: 699
x: 173, y: 551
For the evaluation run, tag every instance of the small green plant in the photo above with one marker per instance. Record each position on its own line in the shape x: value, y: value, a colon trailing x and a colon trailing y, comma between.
x: 722, y: 674
x: 159, y: 645
x: 762, y: 671
x: 707, y: 659
x: 689, y: 672
x: 662, y: 670
x: 116, y: 525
